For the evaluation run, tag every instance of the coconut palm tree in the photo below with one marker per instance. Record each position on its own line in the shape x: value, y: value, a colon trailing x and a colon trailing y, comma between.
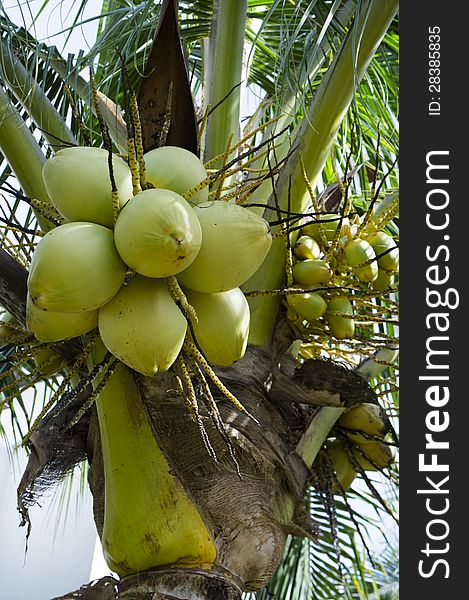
x: 216, y: 480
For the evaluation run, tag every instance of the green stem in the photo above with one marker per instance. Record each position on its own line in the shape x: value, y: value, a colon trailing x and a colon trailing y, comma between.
x: 313, y: 438
x: 312, y: 145
x: 23, y: 154
x: 223, y: 72
x: 292, y: 99
x: 32, y: 97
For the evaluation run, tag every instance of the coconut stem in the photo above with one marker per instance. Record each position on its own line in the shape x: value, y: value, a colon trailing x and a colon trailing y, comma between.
x: 72, y: 371
x: 180, y: 298
x: 194, y: 352
x: 188, y: 393
x: 133, y: 164
x: 138, y: 140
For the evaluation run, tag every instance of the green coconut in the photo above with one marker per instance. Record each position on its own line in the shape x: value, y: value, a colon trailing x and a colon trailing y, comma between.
x: 383, y: 282
x: 176, y: 169
x: 372, y: 455
x: 47, y: 361
x: 310, y: 306
x: 157, y: 233
x: 50, y: 326
x: 142, y: 326
x: 235, y: 242
x: 382, y: 243
x: 9, y: 327
x: 75, y: 268
x: 78, y: 183
x: 325, y: 225
x: 306, y: 247
x: 342, y: 325
x: 357, y: 254
x: 6, y: 321
x: 311, y: 272
x: 222, y: 328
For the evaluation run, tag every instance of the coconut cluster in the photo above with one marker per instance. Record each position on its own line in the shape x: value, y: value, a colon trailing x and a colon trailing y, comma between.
x: 79, y: 275
x: 368, y: 260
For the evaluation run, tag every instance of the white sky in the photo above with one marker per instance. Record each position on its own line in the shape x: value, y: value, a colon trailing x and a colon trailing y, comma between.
x: 52, y: 24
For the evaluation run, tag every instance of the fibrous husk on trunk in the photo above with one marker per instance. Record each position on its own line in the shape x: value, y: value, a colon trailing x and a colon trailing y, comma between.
x: 251, y: 513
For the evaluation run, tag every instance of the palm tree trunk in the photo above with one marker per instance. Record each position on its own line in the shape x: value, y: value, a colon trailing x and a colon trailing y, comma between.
x: 178, y: 584
x: 248, y: 514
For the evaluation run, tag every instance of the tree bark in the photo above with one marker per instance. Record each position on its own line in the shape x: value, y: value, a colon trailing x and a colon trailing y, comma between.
x: 250, y: 514
x: 178, y: 584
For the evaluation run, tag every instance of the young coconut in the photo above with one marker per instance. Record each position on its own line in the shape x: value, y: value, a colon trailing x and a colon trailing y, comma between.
x: 75, y: 268
x: 176, y: 169
x: 357, y: 254
x: 340, y: 317
x: 235, y: 242
x: 309, y: 306
x: 142, y: 326
x: 78, y: 183
x: 8, y: 326
x: 383, y: 282
x: 373, y: 455
x: 324, y: 226
x: 306, y: 247
x: 343, y: 468
x: 366, y: 418
x: 382, y: 243
x: 311, y: 272
x: 336, y: 458
x: 157, y: 233
x: 222, y: 328
x: 50, y: 326
x: 47, y: 361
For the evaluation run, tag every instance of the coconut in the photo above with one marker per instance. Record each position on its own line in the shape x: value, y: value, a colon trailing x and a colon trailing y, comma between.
x: 6, y: 321
x: 78, y: 183
x: 325, y: 225
x: 341, y: 326
x: 311, y: 271
x: 373, y: 454
x: 75, y: 267
x: 9, y: 328
x: 357, y: 253
x: 382, y: 243
x: 176, y: 169
x: 383, y: 282
x: 47, y: 361
x: 142, y: 326
x: 235, y: 242
x: 310, y: 306
x: 50, y: 326
x: 157, y: 233
x: 222, y: 328
x: 306, y: 247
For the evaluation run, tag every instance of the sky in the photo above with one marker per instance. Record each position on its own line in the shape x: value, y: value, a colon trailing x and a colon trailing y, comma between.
x: 51, y: 26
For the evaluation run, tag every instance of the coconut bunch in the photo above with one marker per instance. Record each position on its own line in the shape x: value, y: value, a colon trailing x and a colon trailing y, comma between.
x: 146, y: 266
x: 361, y: 445
x: 332, y: 253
